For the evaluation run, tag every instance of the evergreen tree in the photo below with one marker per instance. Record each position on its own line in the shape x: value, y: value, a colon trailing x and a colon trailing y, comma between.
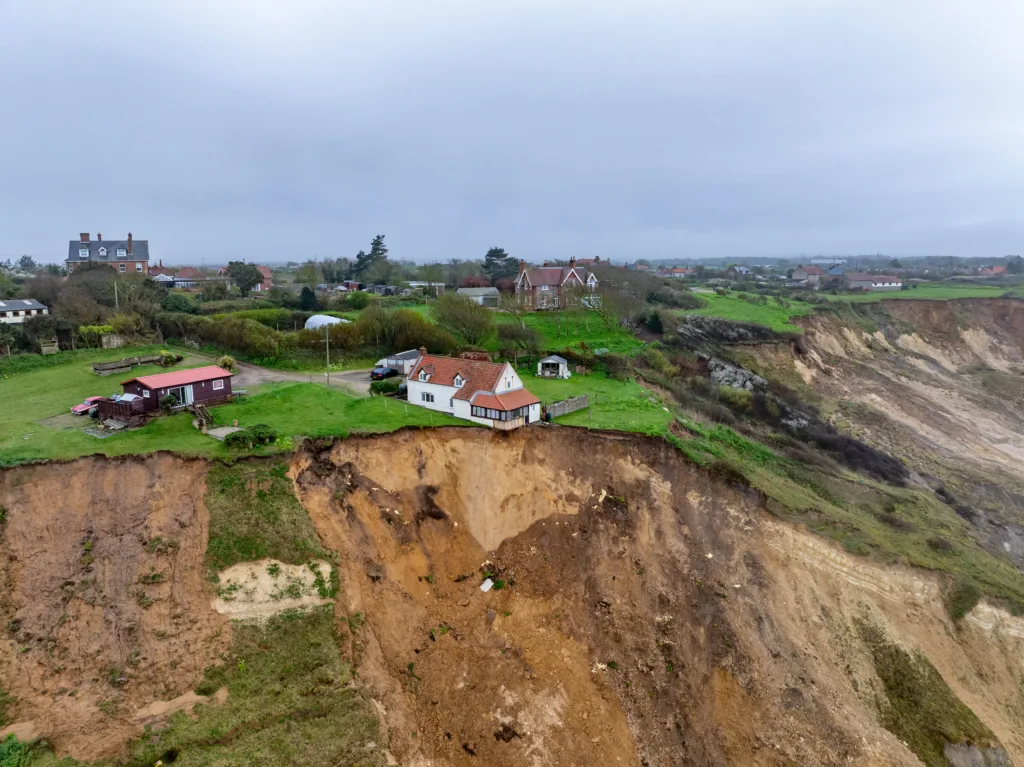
x: 498, y: 264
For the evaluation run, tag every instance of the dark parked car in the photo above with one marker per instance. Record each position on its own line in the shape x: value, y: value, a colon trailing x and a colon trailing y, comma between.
x: 379, y: 374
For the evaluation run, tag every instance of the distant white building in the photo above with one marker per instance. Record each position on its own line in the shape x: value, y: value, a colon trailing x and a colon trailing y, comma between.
x: 488, y: 393
x: 482, y: 296
x: 15, y: 311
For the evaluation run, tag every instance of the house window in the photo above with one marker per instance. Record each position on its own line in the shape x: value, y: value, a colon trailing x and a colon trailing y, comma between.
x: 451, y: 403
x: 103, y: 251
x: 83, y: 252
x: 138, y: 266
x: 121, y: 252
x: 218, y: 385
x: 426, y: 397
x: 145, y: 393
x: 122, y: 268
x: 458, y: 382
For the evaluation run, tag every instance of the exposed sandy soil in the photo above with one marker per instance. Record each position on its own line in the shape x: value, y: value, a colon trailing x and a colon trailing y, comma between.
x: 261, y: 589
x: 103, y: 595
x: 944, y: 393
x: 654, y: 617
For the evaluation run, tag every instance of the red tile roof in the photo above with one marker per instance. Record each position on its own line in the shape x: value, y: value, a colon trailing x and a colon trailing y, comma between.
x: 180, y: 377
x: 189, y: 273
x: 509, y: 400
x: 478, y: 376
x: 813, y: 270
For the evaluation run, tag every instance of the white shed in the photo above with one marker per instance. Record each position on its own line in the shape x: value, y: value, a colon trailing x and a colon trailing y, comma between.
x: 553, y: 367
x: 318, y: 321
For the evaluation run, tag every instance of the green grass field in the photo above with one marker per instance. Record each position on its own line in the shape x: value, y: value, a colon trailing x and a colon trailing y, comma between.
x: 40, y: 426
x: 771, y: 314
x: 557, y: 331
x: 935, y: 291
x: 615, y: 405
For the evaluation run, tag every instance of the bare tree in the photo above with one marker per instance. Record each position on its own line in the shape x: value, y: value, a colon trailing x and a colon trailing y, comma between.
x: 511, y: 304
x: 463, y: 317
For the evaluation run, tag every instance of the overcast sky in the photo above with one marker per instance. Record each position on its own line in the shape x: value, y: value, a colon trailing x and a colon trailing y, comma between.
x: 279, y: 130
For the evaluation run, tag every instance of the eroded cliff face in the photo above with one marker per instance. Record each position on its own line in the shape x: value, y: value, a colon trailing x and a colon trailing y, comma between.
x: 938, y: 384
x: 643, y: 612
x: 654, y: 616
x: 103, y: 600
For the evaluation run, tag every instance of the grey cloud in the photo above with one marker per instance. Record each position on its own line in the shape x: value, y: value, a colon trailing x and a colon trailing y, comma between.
x: 660, y: 129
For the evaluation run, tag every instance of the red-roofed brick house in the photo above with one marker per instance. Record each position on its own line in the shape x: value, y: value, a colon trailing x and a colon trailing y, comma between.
x: 488, y: 393
x: 548, y: 287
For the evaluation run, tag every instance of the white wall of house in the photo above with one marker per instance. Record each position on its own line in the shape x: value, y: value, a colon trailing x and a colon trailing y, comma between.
x: 442, y: 395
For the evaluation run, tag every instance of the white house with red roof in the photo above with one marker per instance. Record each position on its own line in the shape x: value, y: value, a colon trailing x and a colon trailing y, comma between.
x: 548, y: 287
x: 488, y: 393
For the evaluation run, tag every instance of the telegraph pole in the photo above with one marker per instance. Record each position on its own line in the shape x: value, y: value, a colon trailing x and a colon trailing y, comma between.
x: 327, y: 336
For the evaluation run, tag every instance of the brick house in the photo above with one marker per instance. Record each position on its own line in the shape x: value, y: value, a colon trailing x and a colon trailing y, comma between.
x: 548, y: 287
x: 126, y: 256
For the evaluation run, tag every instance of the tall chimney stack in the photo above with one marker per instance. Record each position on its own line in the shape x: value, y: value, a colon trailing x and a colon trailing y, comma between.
x: 84, y: 236
x: 572, y: 262
x: 99, y: 237
x: 129, y: 243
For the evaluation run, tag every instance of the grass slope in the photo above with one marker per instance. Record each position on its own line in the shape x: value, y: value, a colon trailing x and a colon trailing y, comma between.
x: 772, y: 314
x: 935, y: 291
x: 290, y: 702
x: 254, y: 514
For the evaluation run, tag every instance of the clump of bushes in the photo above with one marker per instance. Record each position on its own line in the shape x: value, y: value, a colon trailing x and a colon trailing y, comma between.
x: 387, y: 386
x: 961, y: 598
x: 168, y: 358
x: 168, y: 401
x: 228, y: 363
x: 739, y: 400
x: 246, y: 439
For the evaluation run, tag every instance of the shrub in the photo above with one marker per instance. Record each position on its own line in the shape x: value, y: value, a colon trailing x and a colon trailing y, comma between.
x: 387, y: 386
x: 228, y: 363
x: 262, y: 434
x: 168, y: 401
x: 738, y: 400
x: 655, y: 360
x: 168, y: 358
x: 238, y: 440
x: 179, y: 302
x: 961, y: 598
x: 357, y: 300
x: 616, y: 365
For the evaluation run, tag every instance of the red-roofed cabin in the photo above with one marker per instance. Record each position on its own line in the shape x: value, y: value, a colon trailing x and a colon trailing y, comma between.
x: 207, y: 385
x: 488, y: 393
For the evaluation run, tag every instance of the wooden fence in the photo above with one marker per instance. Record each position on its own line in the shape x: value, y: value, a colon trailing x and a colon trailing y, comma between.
x: 567, y: 406
x: 122, y: 365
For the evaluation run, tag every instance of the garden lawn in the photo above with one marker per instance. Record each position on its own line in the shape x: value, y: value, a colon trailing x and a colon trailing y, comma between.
x: 314, y: 411
x: 940, y: 291
x: 771, y: 314
x: 615, y: 405
x: 34, y: 395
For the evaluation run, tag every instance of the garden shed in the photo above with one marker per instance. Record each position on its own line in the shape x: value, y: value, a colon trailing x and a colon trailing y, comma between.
x: 553, y: 367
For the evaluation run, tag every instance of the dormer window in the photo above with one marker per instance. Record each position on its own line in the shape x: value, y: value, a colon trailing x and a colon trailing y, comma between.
x: 121, y: 252
x: 423, y: 375
x: 458, y: 382
x: 83, y: 252
x: 103, y: 251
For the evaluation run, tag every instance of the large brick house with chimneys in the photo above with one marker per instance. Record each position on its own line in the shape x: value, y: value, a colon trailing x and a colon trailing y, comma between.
x: 548, y: 287
x: 126, y: 256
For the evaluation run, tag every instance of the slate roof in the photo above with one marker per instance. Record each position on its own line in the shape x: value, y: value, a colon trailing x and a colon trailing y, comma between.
x: 863, y: 277
x: 555, y: 358
x: 20, y: 305
x: 409, y: 355
x: 180, y: 377
x: 140, y: 250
